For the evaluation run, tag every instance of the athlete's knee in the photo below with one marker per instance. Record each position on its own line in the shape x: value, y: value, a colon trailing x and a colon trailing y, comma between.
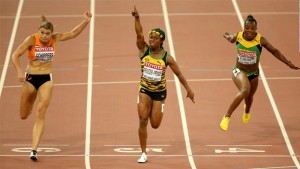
x: 41, y: 112
x: 155, y: 123
x: 40, y: 115
x: 23, y: 117
x: 244, y: 93
x: 155, y: 126
x: 143, y: 122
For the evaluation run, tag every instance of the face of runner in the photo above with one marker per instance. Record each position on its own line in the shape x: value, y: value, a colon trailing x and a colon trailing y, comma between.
x: 154, y: 40
x: 45, y: 35
x: 249, y: 30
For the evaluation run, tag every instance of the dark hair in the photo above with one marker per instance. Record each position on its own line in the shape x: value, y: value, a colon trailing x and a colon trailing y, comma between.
x: 46, y: 24
x: 250, y: 18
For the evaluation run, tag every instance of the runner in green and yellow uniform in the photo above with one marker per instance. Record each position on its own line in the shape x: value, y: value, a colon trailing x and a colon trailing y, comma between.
x: 153, y: 91
x: 245, y: 73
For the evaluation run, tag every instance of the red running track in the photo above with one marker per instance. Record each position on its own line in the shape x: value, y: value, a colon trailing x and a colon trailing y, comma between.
x: 109, y: 140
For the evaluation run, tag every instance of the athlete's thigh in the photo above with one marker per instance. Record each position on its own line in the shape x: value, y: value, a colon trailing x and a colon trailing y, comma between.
x: 241, y: 81
x: 253, y: 84
x: 28, y: 95
x: 157, y: 112
x: 144, y: 105
x: 45, y: 94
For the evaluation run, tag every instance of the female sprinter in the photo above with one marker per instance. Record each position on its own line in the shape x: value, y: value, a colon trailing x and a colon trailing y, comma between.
x: 245, y: 73
x: 153, y: 92
x: 37, y: 83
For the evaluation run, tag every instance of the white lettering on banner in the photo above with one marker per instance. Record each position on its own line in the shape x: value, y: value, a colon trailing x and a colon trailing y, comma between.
x: 152, y: 71
x: 247, y: 54
x: 43, y: 49
x: 239, y: 150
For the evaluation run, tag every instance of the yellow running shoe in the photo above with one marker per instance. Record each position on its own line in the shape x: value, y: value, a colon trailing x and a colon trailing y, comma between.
x: 246, y: 116
x: 224, y: 123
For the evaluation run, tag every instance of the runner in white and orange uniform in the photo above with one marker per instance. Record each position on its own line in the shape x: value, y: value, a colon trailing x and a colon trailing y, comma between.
x: 37, y: 82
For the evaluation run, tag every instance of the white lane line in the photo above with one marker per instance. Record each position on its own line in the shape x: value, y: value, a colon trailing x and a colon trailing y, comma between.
x: 249, y: 145
x: 89, y: 89
x: 270, y: 96
x: 11, y: 42
x: 178, y: 88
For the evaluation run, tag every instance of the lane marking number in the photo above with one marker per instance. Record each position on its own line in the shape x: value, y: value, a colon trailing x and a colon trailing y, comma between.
x: 238, y: 150
x: 137, y: 150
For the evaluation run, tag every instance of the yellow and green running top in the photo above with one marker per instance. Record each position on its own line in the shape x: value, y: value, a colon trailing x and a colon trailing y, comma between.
x: 153, y: 70
x: 248, y: 52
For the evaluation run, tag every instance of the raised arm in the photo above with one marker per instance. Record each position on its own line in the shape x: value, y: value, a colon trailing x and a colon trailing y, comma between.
x: 173, y: 65
x: 229, y: 37
x: 28, y: 43
x: 140, y: 40
x: 76, y: 31
x: 275, y: 52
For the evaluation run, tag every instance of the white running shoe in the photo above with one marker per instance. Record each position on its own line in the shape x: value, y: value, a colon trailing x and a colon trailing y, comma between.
x: 33, y: 155
x: 143, y: 158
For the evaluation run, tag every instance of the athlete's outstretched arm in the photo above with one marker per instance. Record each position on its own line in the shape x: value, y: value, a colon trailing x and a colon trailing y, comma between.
x: 229, y: 37
x: 173, y: 65
x: 275, y: 52
x: 76, y: 31
x: 140, y: 40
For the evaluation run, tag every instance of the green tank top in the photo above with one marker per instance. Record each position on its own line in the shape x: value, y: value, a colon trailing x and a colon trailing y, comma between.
x: 248, y: 52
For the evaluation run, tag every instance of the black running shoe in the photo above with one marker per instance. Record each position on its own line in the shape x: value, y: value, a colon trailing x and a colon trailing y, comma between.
x: 33, y: 155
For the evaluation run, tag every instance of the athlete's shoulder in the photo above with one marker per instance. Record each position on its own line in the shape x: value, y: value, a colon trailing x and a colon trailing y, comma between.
x: 169, y: 59
x: 144, y: 52
x: 239, y: 35
x: 258, y: 36
x: 29, y: 40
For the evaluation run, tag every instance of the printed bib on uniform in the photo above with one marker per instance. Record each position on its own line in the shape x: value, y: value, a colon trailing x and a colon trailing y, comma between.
x: 152, y: 71
x: 44, y: 54
x: 247, y: 57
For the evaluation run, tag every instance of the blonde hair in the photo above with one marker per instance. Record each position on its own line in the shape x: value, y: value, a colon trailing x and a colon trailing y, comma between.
x: 46, y: 24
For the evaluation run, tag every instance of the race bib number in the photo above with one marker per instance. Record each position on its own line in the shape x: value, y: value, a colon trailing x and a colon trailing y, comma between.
x: 44, y: 54
x: 236, y: 71
x: 152, y: 71
x: 247, y: 57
